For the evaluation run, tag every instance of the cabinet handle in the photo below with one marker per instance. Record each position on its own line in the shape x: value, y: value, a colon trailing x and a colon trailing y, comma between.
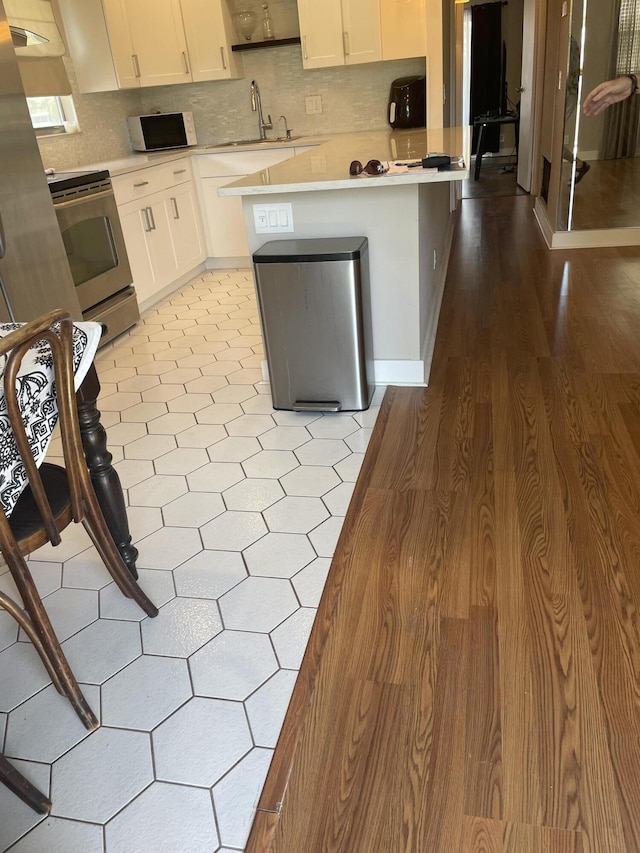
x: 145, y: 211
x: 179, y: 171
x: 304, y: 47
x: 176, y: 212
x: 224, y: 61
x: 345, y: 40
x: 136, y: 64
x: 151, y: 216
x: 186, y: 62
x: 141, y: 184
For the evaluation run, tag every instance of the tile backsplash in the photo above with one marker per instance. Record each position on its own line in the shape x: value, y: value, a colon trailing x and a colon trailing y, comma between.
x: 353, y: 98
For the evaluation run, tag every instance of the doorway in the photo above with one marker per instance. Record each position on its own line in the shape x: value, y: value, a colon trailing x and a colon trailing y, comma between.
x: 505, y: 168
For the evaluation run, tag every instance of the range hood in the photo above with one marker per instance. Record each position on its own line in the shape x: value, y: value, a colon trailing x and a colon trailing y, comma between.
x: 23, y: 38
x: 39, y: 47
x: 34, y: 30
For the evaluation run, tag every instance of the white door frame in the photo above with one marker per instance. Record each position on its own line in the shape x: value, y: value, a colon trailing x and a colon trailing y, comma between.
x: 531, y: 83
x: 533, y: 47
x: 527, y: 91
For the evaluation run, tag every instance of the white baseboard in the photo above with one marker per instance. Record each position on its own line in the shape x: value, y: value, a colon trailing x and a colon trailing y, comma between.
x: 587, y: 239
x: 398, y: 372
x: 542, y: 218
x: 596, y: 238
x: 228, y: 263
x: 393, y: 372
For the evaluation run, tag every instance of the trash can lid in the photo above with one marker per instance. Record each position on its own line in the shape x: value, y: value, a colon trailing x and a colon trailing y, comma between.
x: 307, y: 251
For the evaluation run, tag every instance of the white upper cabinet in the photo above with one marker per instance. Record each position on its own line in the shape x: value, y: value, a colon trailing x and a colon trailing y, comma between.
x: 123, y: 44
x: 339, y: 32
x: 347, y: 32
x: 157, y: 35
x: 361, y: 31
x: 210, y: 34
x: 103, y: 60
x: 321, y: 33
x: 404, y: 28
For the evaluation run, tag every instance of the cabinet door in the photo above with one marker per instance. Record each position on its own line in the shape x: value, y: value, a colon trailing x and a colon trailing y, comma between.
x: 226, y: 234
x: 121, y: 44
x: 404, y: 28
x: 158, y: 39
x: 149, y: 247
x: 361, y: 26
x: 161, y: 247
x: 321, y: 33
x: 183, y: 215
x: 210, y: 34
x: 134, y: 226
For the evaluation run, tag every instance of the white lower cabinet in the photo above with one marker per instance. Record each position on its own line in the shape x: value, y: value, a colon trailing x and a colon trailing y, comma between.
x: 185, y: 226
x: 149, y: 246
x: 162, y: 228
x: 223, y: 217
x: 224, y: 220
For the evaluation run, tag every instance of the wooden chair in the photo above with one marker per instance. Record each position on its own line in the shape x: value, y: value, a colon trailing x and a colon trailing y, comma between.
x: 54, y: 498
x: 21, y: 787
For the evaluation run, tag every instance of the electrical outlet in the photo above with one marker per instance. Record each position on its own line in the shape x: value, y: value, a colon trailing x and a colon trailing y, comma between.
x: 313, y: 104
x: 566, y: 139
x: 273, y: 218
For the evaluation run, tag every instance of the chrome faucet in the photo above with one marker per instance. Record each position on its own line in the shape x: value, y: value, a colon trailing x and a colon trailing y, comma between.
x: 256, y: 105
x: 287, y: 129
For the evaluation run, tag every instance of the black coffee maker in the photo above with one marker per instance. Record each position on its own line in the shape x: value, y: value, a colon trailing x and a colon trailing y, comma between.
x: 408, y: 102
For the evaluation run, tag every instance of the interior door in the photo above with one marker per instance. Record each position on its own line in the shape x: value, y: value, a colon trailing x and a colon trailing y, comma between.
x: 527, y: 83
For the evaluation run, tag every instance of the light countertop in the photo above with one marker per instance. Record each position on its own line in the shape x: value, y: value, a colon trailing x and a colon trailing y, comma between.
x: 327, y: 167
x: 142, y: 160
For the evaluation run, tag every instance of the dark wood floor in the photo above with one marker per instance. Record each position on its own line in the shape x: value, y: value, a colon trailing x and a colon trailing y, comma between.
x: 473, y: 678
x: 497, y: 177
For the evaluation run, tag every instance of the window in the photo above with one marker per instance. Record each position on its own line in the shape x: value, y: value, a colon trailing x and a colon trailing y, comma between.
x: 52, y: 114
x: 628, y: 59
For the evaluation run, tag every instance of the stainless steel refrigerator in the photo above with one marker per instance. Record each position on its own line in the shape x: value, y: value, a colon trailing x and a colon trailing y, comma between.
x: 34, y: 272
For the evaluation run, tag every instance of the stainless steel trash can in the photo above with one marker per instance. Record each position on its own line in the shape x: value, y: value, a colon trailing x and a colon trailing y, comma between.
x: 315, y: 311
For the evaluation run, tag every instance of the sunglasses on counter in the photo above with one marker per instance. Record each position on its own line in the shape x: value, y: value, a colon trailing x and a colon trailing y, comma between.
x: 373, y: 167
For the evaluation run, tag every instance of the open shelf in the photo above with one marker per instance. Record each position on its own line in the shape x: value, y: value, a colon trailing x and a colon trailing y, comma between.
x: 256, y: 45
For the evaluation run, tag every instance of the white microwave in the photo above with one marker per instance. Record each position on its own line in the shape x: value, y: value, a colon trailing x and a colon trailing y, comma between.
x: 158, y: 131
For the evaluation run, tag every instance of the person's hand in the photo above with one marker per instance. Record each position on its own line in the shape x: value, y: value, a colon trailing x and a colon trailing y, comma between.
x: 606, y: 94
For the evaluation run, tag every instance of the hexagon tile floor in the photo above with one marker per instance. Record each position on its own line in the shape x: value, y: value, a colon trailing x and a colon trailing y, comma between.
x: 235, y: 509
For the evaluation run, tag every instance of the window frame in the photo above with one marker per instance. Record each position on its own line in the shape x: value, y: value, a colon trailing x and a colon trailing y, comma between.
x: 66, y: 110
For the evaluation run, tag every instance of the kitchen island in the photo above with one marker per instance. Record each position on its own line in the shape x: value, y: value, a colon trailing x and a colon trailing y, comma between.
x: 406, y: 214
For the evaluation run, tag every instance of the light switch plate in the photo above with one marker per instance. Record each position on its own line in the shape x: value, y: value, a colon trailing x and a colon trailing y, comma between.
x: 313, y: 105
x: 273, y: 218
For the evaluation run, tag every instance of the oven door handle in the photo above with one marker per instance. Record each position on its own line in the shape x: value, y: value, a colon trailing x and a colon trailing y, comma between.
x: 73, y: 202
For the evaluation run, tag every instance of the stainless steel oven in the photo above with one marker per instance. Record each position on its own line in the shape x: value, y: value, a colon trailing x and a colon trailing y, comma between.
x: 88, y: 218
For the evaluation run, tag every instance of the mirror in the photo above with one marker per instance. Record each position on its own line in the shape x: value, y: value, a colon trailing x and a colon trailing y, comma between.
x: 600, y: 167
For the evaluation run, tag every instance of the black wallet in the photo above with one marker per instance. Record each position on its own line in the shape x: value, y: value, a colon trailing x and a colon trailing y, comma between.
x: 432, y: 161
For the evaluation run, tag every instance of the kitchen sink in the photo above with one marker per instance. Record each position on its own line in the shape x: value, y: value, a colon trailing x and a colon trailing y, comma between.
x: 239, y: 142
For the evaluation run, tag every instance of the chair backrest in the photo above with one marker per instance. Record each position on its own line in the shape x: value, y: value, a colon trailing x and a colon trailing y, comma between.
x: 31, y: 518
x: 55, y: 329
